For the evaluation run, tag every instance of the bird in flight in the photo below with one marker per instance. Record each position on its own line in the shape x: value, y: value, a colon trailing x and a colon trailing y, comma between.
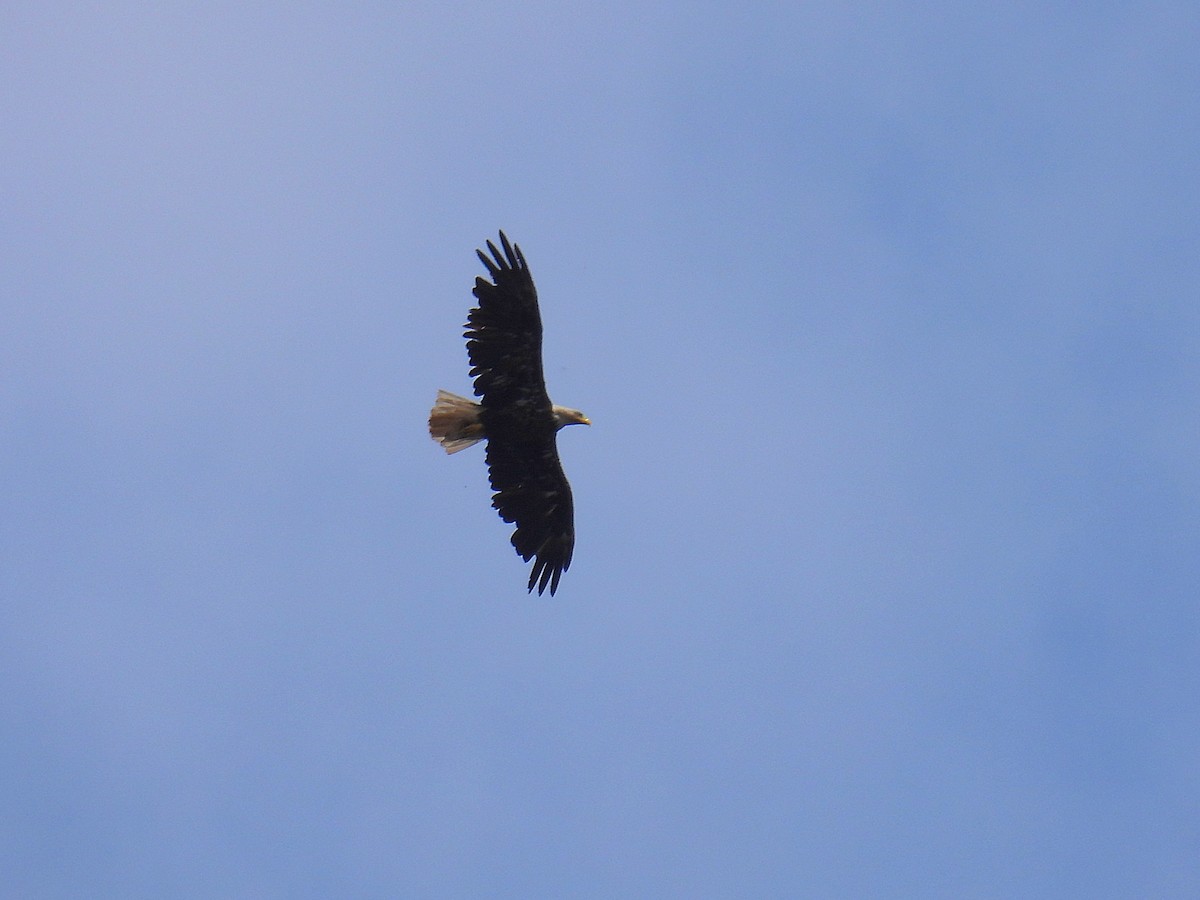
x: 514, y: 415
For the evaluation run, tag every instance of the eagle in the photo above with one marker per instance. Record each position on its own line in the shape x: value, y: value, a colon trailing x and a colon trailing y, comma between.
x: 514, y: 415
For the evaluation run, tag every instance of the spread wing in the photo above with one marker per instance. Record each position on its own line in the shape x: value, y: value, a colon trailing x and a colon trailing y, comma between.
x: 532, y: 492
x: 504, y: 344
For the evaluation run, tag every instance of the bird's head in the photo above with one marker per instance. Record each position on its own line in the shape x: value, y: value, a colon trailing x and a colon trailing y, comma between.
x: 564, y: 416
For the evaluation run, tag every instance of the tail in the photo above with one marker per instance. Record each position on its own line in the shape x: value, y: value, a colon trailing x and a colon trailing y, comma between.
x: 454, y: 422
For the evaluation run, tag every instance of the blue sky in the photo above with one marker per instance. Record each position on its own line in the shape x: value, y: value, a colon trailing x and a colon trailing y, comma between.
x: 886, y: 577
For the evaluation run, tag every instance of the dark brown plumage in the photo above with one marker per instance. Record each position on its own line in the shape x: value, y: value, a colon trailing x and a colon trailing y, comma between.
x: 515, y: 416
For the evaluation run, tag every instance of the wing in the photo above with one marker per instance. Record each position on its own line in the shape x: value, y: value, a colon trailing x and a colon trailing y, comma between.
x: 504, y: 338
x: 532, y: 492
x: 504, y: 344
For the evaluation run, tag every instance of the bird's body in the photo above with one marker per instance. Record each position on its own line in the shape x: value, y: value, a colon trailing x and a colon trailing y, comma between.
x: 515, y: 416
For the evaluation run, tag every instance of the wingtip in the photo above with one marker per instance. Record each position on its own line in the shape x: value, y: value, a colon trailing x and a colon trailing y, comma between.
x: 542, y: 575
x: 512, y: 252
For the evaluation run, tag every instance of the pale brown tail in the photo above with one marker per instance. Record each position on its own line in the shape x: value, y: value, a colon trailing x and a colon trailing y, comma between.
x: 454, y: 422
